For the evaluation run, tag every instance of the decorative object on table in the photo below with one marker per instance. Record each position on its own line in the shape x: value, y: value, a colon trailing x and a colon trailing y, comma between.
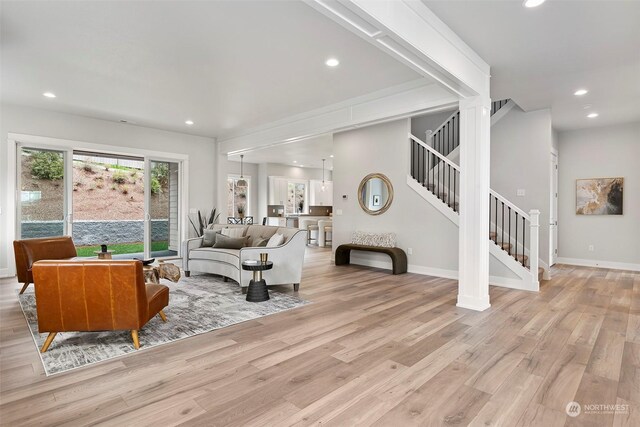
x: 240, y: 210
x: 100, y: 307
x: 103, y: 254
x: 28, y: 251
x: 257, y: 291
x: 204, y: 222
x: 103, y: 248
x: 264, y: 257
x: 375, y: 194
x: 387, y: 240
x: 599, y: 196
x: 199, y: 304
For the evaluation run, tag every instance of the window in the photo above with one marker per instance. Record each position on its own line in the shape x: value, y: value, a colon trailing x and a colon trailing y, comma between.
x: 296, y: 197
x: 237, y: 197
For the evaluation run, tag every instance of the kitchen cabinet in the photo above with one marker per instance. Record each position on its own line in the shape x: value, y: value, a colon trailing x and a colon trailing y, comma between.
x: 317, y: 197
x: 277, y: 190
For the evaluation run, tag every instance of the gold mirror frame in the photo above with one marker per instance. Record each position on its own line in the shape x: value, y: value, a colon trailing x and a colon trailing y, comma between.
x: 387, y: 204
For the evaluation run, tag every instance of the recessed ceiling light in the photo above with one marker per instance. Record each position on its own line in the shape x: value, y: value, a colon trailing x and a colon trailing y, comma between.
x: 49, y: 94
x: 592, y: 115
x: 332, y: 62
x: 580, y: 92
x: 532, y: 3
x: 331, y: 156
x: 189, y: 122
x: 295, y: 161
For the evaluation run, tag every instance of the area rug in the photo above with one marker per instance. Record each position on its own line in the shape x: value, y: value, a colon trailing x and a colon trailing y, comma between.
x: 197, y: 304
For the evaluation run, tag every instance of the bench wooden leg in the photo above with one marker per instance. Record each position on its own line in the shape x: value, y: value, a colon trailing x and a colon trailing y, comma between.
x: 296, y: 287
x: 162, y: 315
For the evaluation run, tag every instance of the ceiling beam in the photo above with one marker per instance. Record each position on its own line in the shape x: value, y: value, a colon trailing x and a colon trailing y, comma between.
x: 416, y: 97
x: 411, y: 33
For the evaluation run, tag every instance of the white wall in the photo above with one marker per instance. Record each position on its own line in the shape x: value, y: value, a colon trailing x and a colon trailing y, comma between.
x: 521, y: 159
x: 420, y: 124
x: 31, y: 121
x: 611, y: 151
x: 418, y: 225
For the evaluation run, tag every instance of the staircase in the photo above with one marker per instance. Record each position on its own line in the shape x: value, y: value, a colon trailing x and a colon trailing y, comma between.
x: 436, y: 177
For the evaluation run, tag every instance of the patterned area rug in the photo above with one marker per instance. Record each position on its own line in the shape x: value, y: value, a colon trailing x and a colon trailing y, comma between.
x: 197, y: 304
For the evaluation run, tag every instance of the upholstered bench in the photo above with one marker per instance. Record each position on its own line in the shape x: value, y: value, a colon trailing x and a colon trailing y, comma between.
x: 398, y: 256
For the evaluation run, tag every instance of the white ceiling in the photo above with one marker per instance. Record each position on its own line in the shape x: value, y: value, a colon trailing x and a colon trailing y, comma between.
x: 540, y: 56
x: 226, y: 65
x: 308, y: 152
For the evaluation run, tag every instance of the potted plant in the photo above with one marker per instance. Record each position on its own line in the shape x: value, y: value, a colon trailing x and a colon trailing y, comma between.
x: 204, y: 222
x: 240, y: 210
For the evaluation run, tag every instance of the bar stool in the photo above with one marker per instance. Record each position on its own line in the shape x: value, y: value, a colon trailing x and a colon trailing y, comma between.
x: 329, y: 230
x: 310, y: 226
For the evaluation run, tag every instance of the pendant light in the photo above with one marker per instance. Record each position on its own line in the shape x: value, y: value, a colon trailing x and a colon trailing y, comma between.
x: 323, y: 187
x: 241, y: 182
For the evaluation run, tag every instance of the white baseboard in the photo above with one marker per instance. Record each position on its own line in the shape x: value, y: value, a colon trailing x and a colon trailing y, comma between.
x: 472, y: 303
x: 504, y: 282
x: 601, y: 264
x: 4, y: 272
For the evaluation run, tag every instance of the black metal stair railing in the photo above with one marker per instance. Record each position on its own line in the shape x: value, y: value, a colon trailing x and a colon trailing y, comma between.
x: 508, y: 227
x: 446, y: 137
x: 435, y: 172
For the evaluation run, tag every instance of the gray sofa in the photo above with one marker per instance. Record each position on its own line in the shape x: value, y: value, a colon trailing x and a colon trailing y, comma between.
x: 287, y: 258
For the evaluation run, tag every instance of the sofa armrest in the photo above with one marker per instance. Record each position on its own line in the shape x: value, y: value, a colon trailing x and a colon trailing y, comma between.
x: 287, y: 259
x: 187, y: 245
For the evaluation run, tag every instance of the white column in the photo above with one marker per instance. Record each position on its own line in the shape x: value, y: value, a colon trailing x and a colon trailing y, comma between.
x: 473, y: 258
x: 534, y: 246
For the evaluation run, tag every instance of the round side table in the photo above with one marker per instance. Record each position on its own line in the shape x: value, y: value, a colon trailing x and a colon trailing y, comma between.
x: 257, y: 291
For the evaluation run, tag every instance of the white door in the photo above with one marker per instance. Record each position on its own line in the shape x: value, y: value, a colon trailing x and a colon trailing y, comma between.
x: 553, y: 225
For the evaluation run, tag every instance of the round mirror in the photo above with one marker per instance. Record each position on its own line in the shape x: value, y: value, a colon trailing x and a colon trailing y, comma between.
x: 375, y: 193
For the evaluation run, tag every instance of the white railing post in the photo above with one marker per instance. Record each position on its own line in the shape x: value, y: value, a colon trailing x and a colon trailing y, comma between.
x: 534, y: 244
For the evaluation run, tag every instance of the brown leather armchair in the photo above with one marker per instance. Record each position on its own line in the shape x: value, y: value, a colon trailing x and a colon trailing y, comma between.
x: 29, y: 251
x: 96, y: 295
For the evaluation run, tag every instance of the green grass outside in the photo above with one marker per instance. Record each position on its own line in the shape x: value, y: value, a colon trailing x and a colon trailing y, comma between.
x: 122, y: 248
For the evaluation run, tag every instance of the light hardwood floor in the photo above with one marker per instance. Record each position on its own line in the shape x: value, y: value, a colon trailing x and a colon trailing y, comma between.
x: 373, y: 349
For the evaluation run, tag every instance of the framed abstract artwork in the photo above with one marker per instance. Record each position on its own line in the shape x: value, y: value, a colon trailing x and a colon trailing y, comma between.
x: 599, y: 196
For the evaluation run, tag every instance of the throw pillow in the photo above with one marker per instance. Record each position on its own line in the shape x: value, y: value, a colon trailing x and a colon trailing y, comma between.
x: 226, y: 242
x: 233, y: 232
x: 259, y: 243
x: 209, y: 238
x: 275, y: 240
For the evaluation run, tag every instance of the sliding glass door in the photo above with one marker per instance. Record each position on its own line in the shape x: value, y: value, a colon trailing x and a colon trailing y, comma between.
x: 42, y: 203
x: 108, y: 196
x: 131, y: 204
x: 163, y: 197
